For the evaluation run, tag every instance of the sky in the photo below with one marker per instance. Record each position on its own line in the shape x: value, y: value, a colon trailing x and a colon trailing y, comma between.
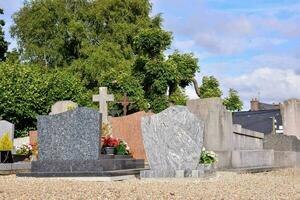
x: 249, y: 45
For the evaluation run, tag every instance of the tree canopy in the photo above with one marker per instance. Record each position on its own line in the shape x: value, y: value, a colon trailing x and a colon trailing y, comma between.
x: 3, y: 43
x: 210, y: 87
x: 28, y: 90
x: 112, y: 43
x: 233, y: 101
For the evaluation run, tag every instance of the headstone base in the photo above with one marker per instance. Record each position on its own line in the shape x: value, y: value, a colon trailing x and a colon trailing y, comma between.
x: 171, y: 173
x: 87, y: 165
x: 101, y: 167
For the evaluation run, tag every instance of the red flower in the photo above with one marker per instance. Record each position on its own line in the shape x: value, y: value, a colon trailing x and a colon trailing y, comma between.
x: 110, y: 141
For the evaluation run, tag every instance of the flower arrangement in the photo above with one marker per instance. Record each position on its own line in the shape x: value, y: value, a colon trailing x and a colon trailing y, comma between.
x: 121, y: 147
x: 24, y: 149
x: 6, y: 143
x: 110, y: 141
x: 208, y: 157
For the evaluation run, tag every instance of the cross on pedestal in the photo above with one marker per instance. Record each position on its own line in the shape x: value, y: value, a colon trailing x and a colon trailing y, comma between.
x: 125, y: 103
x: 103, y: 98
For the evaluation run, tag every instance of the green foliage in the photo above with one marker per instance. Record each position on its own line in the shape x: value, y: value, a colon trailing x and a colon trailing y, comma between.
x: 233, y: 101
x: 210, y: 87
x: 208, y: 157
x: 27, y: 91
x: 152, y: 42
x: 122, y: 149
x: 3, y: 43
x: 112, y: 43
x: 5, y: 143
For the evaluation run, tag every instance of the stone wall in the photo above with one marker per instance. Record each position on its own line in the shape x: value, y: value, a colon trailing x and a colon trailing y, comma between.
x: 218, y: 123
x: 290, y: 111
x: 245, y: 139
x: 129, y: 129
x: 280, y: 142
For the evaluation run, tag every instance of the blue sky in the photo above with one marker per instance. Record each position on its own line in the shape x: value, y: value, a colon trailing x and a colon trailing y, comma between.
x: 250, y: 45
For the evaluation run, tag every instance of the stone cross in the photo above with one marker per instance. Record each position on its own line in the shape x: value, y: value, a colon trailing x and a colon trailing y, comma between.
x: 103, y: 98
x: 125, y: 102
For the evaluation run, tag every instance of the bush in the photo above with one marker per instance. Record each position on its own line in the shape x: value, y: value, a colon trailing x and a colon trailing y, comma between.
x: 208, y: 157
x: 27, y: 91
x: 6, y: 143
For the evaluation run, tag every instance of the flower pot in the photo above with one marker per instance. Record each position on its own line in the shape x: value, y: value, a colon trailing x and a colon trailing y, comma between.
x: 109, y: 150
x: 20, y: 158
x: 6, y: 157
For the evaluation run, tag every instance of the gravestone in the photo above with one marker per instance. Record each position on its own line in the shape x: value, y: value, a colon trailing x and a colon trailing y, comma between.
x: 218, y: 131
x: 103, y: 98
x: 173, y: 141
x: 129, y: 129
x: 69, y: 142
x: 62, y: 106
x: 72, y: 135
x: 7, y: 127
x: 290, y: 111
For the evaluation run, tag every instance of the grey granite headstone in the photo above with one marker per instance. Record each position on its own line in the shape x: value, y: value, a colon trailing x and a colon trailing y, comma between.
x: 72, y: 135
x: 62, y: 106
x: 7, y: 127
x: 173, y: 141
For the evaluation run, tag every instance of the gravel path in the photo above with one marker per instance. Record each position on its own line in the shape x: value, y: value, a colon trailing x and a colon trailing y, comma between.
x: 283, y: 184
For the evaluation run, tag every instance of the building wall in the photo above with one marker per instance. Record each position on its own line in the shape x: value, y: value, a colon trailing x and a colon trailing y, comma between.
x: 290, y: 111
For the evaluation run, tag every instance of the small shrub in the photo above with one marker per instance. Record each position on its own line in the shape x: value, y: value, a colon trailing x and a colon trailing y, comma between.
x: 6, y: 143
x: 208, y: 157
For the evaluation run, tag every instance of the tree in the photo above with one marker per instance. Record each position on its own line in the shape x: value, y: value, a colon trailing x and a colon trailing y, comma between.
x: 28, y: 90
x: 210, y: 87
x: 233, y: 101
x: 3, y: 43
x: 112, y: 43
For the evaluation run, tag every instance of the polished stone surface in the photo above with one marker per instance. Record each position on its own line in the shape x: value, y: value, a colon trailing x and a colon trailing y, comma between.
x: 72, y: 135
x: 173, y: 141
x: 7, y: 127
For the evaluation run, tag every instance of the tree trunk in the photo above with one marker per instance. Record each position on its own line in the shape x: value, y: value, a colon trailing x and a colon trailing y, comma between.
x: 196, y: 87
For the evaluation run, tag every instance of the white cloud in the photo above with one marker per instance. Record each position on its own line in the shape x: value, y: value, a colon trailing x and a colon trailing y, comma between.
x: 272, y: 85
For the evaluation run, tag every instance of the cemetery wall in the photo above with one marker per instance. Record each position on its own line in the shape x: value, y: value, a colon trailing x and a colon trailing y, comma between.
x: 245, y: 139
x: 285, y: 158
x: 252, y: 158
x: 282, y: 143
x: 290, y: 111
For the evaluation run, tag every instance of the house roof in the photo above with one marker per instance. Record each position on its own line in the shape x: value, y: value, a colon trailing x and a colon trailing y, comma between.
x: 260, y: 121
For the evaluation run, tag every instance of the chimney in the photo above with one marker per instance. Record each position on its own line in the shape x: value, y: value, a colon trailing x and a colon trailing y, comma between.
x: 254, y: 104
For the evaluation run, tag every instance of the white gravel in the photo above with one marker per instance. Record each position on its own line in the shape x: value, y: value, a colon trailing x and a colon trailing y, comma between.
x: 283, y: 184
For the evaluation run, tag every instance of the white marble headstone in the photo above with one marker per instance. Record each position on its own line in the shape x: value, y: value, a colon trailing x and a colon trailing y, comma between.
x: 7, y: 127
x: 62, y: 106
